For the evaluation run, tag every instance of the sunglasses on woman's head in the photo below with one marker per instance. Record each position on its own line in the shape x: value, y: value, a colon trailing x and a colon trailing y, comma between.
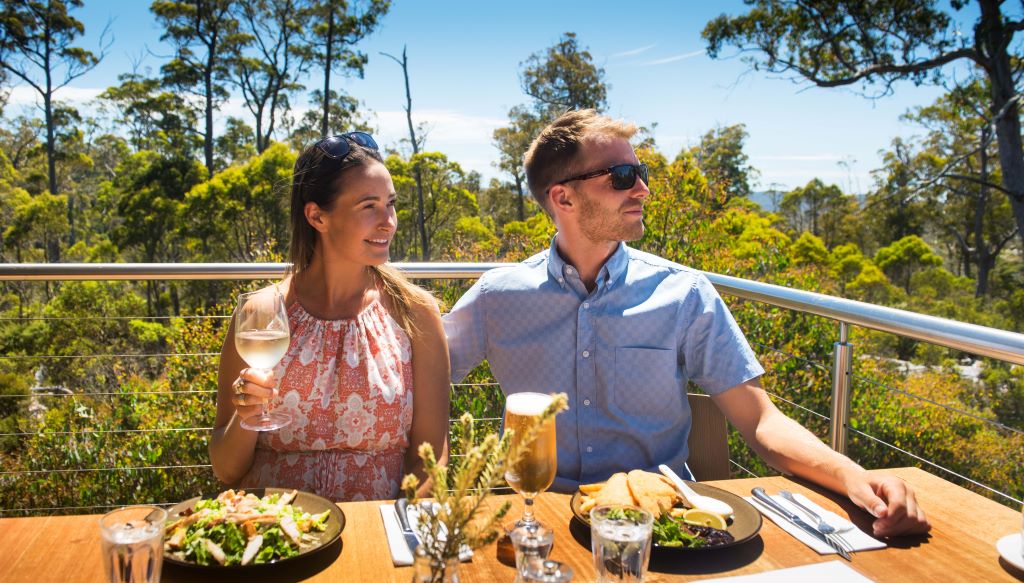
x: 337, y: 147
x: 623, y: 175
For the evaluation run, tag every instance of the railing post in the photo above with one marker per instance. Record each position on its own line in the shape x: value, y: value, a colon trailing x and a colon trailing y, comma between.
x: 842, y: 373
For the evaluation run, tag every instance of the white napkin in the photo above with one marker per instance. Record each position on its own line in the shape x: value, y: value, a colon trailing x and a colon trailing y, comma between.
x: 831, y: 571
x: 853, y: 535
x: 400, y: 554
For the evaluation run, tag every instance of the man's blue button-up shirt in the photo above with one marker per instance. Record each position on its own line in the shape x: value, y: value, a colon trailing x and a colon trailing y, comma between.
x: 623, y: 353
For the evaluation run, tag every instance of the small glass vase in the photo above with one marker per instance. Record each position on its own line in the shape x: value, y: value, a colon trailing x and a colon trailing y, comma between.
x: 427, y: 569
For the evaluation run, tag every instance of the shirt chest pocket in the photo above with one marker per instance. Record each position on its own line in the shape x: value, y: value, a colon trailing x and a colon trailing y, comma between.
x: 647, y: 383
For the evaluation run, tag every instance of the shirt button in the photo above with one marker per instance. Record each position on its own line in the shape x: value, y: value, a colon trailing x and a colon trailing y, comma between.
x: 586, y: 305
x: 569, y: 269
x: 590, y: 449
x: 586, y: 354
x: 586, y: 402
x: 561, y: 280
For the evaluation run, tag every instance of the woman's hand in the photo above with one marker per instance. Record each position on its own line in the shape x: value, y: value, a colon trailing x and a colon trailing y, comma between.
x: 251, y: 391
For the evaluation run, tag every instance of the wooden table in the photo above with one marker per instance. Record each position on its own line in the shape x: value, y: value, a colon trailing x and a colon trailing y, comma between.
x: 961, y: 545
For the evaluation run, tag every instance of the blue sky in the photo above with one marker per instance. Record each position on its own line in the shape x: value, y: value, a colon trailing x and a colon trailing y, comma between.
x: 464, y: 61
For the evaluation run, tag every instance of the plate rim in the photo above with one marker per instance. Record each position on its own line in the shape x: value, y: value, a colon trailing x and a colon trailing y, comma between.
x: 699, y: 486
x: 336, y: 513
x: 1007, y: 554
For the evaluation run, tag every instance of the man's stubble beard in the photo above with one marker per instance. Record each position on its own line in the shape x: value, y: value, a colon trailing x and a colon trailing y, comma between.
x: 598, y: 225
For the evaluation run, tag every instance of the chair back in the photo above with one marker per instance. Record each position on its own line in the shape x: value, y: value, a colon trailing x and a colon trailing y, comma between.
x: 709, y: 440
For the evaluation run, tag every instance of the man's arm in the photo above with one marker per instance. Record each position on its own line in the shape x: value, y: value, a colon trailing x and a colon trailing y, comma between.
x: 464, y: 329
x: 790, y: 448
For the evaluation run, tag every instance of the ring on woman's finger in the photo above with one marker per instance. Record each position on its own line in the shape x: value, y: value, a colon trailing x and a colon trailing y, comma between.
x: 237, y: 385
x: 240, y: 397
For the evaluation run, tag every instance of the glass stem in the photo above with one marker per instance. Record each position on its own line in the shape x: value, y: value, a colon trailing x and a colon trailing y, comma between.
x: 265, y: 406
x: 528, y: 510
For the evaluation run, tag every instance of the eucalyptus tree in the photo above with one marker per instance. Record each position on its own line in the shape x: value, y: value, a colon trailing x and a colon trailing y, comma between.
x: 339, y: 26
x: 560, y: 78
x: 205, y: 34
x: 958, y: 165
x: 721, y: 157
x: 415, y: 142
x: 36, y: 48
x: 153, y: 116
x: 822, y: 210
x: 563, y: 77
x: 512, y: 141
x: 278, y: 56
x: 834, y: 43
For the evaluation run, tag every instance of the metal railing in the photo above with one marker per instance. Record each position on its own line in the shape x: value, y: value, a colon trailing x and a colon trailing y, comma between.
x: 977, y: 340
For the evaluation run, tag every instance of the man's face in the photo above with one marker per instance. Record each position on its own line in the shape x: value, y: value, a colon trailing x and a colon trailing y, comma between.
x: 606, y: 214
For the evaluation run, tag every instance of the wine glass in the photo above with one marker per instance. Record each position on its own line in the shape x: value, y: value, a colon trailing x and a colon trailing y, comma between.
x: 535, y: 472
x: 261, y: 339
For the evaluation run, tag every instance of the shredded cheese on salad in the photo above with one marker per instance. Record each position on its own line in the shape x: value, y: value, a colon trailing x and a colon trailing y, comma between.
x: 241, y: 529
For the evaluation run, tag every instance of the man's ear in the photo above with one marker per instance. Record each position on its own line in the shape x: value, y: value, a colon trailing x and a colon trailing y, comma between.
x: 561, y: 197
x: 315, y: 216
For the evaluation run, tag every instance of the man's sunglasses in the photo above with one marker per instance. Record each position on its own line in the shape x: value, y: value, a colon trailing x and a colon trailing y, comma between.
x: 337, y: 147
x: 623, y: 175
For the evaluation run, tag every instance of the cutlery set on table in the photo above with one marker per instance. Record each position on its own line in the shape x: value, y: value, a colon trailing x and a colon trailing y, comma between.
x: 819, y: 529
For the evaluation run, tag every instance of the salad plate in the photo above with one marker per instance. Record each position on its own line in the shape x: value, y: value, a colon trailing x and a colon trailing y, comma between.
x: 745, y: 524
x: 303, y: 502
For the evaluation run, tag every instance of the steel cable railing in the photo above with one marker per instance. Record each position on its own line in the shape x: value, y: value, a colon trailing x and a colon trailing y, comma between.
x: 978, y: 340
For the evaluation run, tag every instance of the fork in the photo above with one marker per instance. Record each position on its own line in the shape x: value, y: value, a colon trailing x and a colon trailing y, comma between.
x: 824, y: 527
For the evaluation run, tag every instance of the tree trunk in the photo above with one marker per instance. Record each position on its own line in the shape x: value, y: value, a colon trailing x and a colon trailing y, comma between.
x: 991, y: 34
x: 520, y: 205
x: 420, y: 211
x: 208, y: 141
x: 324, y: 123
x: 983, y: 257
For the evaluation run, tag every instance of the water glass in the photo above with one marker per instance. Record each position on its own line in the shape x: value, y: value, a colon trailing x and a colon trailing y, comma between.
x: 544, y: 571
x: 132, y: 539
x: 620, y: 538
x: 530, y: 541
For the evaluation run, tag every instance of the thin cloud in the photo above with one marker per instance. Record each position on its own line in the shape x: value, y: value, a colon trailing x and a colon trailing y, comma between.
x: 674, y: 58
x: 632, y: 52
x: 25, y: 95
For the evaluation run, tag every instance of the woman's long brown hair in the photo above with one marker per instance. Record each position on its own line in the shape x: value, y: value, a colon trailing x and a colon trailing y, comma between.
x: 320, y: 179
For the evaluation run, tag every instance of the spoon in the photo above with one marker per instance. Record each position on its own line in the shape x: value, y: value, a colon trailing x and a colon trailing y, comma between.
x: 696, y: 500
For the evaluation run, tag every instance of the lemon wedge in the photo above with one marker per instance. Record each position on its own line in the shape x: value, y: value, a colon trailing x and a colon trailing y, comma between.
x: 702, y: 517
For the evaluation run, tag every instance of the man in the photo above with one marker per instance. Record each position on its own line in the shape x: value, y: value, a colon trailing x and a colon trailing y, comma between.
x: 622, y: 332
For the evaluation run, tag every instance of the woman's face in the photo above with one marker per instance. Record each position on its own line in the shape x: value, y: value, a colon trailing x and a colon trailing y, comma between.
x: 360, y: 224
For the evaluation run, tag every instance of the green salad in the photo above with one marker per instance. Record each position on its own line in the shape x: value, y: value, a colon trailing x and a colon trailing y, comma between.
x: 241, y: 529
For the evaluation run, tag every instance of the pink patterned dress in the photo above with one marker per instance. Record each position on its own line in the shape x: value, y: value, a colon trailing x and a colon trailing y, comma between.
x: 348, y: 385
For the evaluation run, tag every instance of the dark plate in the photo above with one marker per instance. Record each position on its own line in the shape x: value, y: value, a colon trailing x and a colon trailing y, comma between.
x: 304, y: 501
x: 745, y: 524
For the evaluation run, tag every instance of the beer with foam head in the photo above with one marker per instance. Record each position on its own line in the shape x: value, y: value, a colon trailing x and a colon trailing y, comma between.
x: 536, y: 470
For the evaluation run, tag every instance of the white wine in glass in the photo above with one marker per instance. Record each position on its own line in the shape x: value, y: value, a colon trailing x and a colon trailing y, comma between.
x: 536, y: 470
x: 261, y: 339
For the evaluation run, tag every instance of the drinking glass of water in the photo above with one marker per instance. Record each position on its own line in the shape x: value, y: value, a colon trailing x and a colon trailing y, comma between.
x: 133, y: 549
x: 261, y: 339
x: 531, y: 541
x: 620, y: 538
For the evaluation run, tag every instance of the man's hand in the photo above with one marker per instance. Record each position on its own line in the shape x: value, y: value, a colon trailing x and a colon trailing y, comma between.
x: 891, y: 501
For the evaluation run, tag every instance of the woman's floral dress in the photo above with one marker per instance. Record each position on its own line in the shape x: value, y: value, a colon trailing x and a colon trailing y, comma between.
x: 348, y: 385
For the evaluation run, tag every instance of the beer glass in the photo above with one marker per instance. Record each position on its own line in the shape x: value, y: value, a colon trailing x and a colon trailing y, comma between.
x: 261, y: 339
x: 536, y: 470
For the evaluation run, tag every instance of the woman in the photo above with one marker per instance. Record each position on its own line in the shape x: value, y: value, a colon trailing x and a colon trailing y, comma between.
x: 366, y: 374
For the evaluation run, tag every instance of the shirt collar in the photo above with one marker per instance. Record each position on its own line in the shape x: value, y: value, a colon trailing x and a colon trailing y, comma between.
x: 612, y: 269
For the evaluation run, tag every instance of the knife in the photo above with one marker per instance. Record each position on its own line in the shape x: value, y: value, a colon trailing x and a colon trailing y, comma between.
x: 411, y: 540
x: 794, y: 518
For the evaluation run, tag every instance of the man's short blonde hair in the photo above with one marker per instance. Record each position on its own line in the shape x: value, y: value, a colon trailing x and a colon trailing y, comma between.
x: 555, y: 153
